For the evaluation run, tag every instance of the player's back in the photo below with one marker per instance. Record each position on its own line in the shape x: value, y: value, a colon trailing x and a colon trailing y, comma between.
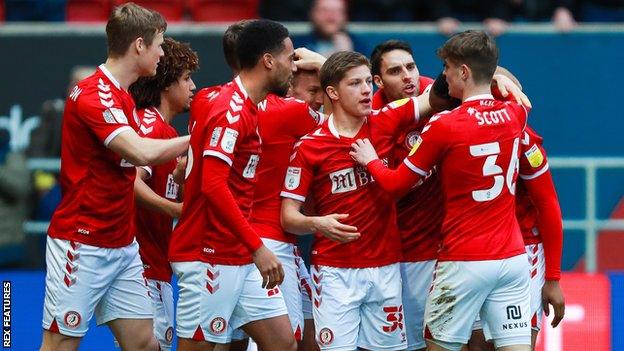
x: 96, y: 111
x: 281, y: 122
x: 478, y: 171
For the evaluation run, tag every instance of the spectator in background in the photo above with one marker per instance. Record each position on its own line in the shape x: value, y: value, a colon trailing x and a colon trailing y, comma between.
x: 450, y: 13
x: 45, y: 142
x: 14, y: 191
x: 557, y: 11
x: 329, y: 34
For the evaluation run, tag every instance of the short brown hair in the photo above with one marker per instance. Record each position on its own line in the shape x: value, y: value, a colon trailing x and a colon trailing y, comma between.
x: 337, y: 65
x: 128, y: 22
x: 476, y: 49
x: 230, y: 38
x: 178, y: 58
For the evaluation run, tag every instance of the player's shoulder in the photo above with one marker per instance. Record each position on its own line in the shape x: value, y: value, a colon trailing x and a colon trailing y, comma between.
x: 530, y: 137
x: 392, y: 107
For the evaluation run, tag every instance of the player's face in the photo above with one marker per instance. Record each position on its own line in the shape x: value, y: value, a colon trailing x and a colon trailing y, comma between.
x: 399, y: 75
x: 307, y: 87
x: 355, y: 91
x: 151, y: 55
x: 180, y: 93
x: 453, y: 75
x: 284, y: 69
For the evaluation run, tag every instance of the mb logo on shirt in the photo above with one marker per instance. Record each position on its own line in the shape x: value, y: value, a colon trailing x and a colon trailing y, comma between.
x: 349, y: 179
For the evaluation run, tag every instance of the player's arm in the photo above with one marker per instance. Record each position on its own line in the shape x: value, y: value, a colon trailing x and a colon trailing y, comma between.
x: 145, y: 151
x: 147, y: 198
x: 544, y: 197
x: 221, y: 202
x: 308, y: 60
x: 295, y: 222
x: 396, y: 182
x: 505, y: 72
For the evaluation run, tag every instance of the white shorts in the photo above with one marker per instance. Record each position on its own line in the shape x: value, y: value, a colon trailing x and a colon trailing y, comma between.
x: 161, y: 294
x: 537, y: 263
x: 498, y: 290
x: 82, y: 280
x: 305, y: 285
x: 358, y: 307
x: 216, y: 299
x: 535, y: 255
x: 417, y: 277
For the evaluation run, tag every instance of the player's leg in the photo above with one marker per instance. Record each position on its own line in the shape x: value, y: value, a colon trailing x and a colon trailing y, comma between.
x: 535, y: 254
x: 506, y: 310
x: 383, y: 322
x: 457, y: 293
x: 207, y: 296
x: 262, y: 314
x: 337, y: 295
x: 477, y: 341
x: 126, y: 307
x: 77, y: 277
x: 416, y: 277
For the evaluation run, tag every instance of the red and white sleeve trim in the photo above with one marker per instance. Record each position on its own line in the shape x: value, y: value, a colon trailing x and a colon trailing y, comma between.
x: 218, y: 155
x: 115, y: 133
x: 534, y: 175
x: 414, y: 169
x: 416, y: 109
x: 292, y: 196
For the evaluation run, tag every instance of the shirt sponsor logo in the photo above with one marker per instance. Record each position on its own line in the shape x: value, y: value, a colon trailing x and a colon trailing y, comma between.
x: 214, y: 138
x: 250, y: 170
x: 293, y: 178
x: 343, y: 181
x: 535, y: 156
x: 229, y: 140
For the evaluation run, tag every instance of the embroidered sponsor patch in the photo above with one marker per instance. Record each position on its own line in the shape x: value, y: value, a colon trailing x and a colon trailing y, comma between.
x: 535, y: 156
x: 293, y: 178
x: 119, y: 115
x: 214, y: 138
x: 229, y: 140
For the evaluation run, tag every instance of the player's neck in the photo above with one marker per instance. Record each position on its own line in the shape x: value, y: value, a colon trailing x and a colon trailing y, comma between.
x: 474, y: 90
x: 255, y: 85
x: 125, y: 72
x: 346, y: 124
x: 165, y: 110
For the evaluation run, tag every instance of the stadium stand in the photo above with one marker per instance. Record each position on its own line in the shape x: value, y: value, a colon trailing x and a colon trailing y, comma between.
x: 87, y: 10
x: 223, y: 11
x: 172, y: 10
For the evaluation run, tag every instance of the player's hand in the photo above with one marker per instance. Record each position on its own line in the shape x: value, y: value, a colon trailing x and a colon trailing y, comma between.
x: 552, y: 294
x: 506, y: 86
x: 269, y: 266
x: 363, y: 152
x: 180, y: 170
x: 308, y: 60
x: 332, y: 229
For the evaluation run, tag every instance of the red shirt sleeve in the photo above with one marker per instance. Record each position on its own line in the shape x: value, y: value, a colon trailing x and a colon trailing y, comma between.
x: 218, y: 195
x: 429, y: 147
x: 400, y: 115
x: 543, y: 195
x: 299, y: 175
x: 105, y: 122
x: 396, y: 182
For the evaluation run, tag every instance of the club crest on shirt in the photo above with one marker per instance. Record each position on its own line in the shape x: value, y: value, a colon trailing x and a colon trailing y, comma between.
x: 293, y: 178
x: 535, y: 156
x: 416, y: 146
x: 411, y: 138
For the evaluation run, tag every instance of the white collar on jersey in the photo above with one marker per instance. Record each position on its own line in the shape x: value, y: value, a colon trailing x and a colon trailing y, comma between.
x: 480, y: 97
x: 332, y: 127
x: 109, y: 75
x: 240, y: 86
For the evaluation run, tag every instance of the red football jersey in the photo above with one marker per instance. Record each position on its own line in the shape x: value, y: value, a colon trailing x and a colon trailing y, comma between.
x: 154, y: 228
x: 97, y: 184
x: 379, y: 98
x: 281, y: 122
x: 321, y: 166
x: 533, y: 163
x: 421, y: 211
x: 229, y: 132
x: 475, y: 148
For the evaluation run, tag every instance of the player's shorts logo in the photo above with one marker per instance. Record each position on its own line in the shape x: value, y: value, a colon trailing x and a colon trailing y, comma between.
x: 326, y: 336
x: 169, y: 334
x: 218, y: 325
x: 514, y: 312
x: 72, y: 319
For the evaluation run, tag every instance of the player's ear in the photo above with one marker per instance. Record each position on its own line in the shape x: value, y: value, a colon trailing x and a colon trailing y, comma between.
x: 139, y: 44
x: 378, y: 81
x: 464, y: 71
x: 268, y: 60
x: 332, y: 92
